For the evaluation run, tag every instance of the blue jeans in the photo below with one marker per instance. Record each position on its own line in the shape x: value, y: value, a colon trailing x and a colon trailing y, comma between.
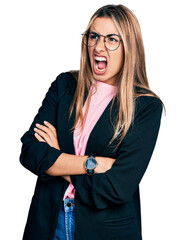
x: 66, y: 221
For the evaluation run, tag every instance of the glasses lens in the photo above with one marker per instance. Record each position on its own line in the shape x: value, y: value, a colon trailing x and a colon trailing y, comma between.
x: 112, y: 42
x: 90, y: 39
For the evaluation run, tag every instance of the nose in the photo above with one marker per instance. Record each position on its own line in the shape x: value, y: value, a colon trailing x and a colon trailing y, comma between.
x: 100, y: 46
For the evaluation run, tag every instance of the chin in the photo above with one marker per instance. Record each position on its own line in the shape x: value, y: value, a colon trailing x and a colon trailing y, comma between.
x: 100, y: 78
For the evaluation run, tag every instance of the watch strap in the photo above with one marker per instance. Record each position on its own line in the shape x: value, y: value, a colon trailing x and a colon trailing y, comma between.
x: 90, y: 171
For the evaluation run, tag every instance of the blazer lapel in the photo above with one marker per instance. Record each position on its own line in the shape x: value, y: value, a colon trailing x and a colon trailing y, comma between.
x: 102, y: 132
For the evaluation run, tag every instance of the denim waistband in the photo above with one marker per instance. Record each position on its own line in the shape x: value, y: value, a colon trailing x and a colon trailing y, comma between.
x: 69, y: 204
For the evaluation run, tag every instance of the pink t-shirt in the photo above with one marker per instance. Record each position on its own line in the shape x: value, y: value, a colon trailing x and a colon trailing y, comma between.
x: 98, y: 103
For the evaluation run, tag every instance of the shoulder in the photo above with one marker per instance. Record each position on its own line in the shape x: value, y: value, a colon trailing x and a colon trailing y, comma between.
x: 145, y: 100
x: 148, y: 100
x: 147, y: 105
x: 65, y: 83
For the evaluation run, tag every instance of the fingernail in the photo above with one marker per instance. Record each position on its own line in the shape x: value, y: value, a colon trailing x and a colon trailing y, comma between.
x: 45, y: 122
x: 37, y: 124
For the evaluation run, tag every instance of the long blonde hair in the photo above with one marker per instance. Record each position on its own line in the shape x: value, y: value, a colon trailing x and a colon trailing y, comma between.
x: 132, y: 74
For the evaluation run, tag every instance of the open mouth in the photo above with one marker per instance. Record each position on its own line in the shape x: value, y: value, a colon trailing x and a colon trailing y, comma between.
x: 100, y: 64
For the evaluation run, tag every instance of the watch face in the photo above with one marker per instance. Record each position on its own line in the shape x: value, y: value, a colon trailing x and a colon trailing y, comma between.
x: 90, y: 163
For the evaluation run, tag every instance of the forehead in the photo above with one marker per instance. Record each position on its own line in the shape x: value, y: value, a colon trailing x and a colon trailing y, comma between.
x: 104, y: 25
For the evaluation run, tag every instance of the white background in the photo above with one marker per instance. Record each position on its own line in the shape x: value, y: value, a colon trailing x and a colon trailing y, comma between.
x: 39, y: 40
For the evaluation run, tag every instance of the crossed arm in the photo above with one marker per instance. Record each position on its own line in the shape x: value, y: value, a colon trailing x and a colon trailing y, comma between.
x: 41, y: 154
x: 67, y: 164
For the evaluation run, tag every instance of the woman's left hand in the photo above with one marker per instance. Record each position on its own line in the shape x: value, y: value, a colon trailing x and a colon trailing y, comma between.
x: 47, y: 134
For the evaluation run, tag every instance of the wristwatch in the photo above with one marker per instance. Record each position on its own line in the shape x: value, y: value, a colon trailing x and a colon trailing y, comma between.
x: 90, y: 164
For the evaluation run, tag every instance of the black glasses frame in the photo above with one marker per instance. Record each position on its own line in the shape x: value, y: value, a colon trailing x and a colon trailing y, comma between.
x: 87, y: 34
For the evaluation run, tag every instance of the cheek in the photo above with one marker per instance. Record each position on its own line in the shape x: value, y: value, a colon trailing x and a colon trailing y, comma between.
x: 90, y: 52
x: 121, y: 57
x: 122, y: 54
x: 121, y: 60
x: 117, y: 61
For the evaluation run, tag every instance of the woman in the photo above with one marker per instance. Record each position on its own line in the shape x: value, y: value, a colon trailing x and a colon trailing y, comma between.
x: 93, y: 138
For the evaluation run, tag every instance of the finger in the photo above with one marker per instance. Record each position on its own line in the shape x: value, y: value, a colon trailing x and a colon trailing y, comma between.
x: 42, y: 127
x: 43, y: 135
x: 49, y: 125
x: 39, y: 137
x: 47, y: 130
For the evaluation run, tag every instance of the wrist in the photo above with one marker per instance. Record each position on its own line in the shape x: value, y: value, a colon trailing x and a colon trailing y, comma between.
x: 101, y: 165
x: 90, y: 164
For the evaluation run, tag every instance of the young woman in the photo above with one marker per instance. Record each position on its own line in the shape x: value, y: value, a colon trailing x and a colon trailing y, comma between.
x: 93, y: 137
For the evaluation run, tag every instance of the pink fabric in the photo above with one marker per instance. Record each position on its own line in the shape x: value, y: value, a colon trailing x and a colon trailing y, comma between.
x: 98, y: 103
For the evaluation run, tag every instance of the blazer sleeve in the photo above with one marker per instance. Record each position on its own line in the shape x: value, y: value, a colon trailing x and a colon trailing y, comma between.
x: 37, y: 156
x: 118, y: 184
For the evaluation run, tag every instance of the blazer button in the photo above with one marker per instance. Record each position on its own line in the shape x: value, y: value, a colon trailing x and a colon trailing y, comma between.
x: 69, y: 204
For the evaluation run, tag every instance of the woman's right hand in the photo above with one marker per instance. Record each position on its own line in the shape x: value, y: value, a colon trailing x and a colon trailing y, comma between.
x: 104, y: 164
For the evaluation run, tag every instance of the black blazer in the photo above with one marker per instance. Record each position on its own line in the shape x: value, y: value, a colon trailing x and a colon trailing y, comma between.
x: 107, y: 204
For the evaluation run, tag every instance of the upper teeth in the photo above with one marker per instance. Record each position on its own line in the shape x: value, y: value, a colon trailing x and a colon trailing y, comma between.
x: 100, y: 58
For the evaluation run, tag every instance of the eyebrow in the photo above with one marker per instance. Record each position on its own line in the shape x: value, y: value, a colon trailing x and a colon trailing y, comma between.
x: 110, y: 34
x: 94, y: 31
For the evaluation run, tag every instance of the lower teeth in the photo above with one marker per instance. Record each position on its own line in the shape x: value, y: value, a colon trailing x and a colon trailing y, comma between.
x: 101, y: 70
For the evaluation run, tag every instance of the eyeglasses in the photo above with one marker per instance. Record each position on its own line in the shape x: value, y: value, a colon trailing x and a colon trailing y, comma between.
x: 111, y: 41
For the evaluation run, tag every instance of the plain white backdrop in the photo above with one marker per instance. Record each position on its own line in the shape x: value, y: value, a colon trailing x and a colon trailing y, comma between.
x: 39, y: 40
